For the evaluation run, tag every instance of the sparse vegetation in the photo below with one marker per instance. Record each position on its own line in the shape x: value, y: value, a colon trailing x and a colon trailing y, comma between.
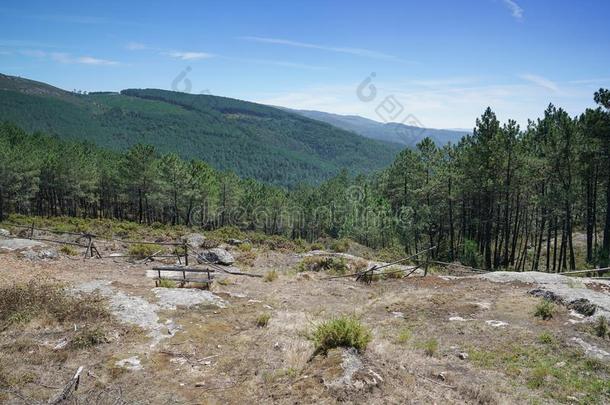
x: 336, y: 265
x: 270, y: 276
x: 340, y: 332
x: 404, y: 335
x: 68, y: 250
x: 88, y: 337
x: 340, y: 246
x: 143, y: 250
x: 546, y: 338
x: 166, y: 283
x: 544, y: 309
x: 601, y: 327
x: 262, y: 320
x: 430, y: 347
x: 20, y: 303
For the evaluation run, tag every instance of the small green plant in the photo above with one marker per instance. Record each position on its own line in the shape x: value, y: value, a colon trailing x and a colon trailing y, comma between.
x: 167, y: 283
x: 336, y: 265
x: 470, y: 254
x: 68, y: 250
x: 86, y: 338
x: 538, y: 376
x: 404, y: 335
x: 245, y: 247
x: 340, y: 246
x: 429, y: 346
x: 270, y: 276
x: 344, y: 331
x: 601, y: 328
x: 546, y: 338
x: 316, y: 246
x: 544, y: 309
x: 262, y: 320
x: 143, y: 250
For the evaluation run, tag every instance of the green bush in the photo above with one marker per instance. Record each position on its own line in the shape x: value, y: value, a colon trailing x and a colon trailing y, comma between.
x: 262, y: 320
x: 429, y: 346
x: 544, y: 309
x: 68, y: 250
x: 323, y: 263
x: 340, y: 246
x: 167, y: 283
x: 143, y: 250
x: 340, y: 332
x: 470, y: 254
x: 316, y: 246
x: 546, y: 338
x: 87, y: 337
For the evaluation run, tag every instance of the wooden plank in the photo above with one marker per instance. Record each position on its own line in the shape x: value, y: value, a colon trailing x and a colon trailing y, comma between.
x: 183, y: 269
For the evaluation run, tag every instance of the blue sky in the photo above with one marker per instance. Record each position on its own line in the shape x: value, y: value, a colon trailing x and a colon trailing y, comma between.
x: 441, y: 62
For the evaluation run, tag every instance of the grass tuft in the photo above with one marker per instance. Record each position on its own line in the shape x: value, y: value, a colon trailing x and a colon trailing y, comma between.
x: 544, y: 309
x: 263, y: 320
x: 340, y: 332
x: 68, y: 250
x: 143, y: 250
x: 86, y: 338
x: 270, y: 276
x: 167, y: 283
x: 336, y: 265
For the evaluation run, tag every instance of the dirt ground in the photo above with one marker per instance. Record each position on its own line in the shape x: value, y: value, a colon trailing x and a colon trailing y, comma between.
x: 436, y: 339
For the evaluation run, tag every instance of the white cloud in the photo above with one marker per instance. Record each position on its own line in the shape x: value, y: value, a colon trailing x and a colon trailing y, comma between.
x: 353, y: 51
x: 515, y: 9
x: 540, y: 81
x: 189, y: 55
x: 88, y: 60
x: 135, y: 46
x: 63, y: 57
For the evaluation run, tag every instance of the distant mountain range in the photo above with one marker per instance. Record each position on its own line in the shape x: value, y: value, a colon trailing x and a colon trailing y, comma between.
x: 402, y: 134
x: 255, y: 140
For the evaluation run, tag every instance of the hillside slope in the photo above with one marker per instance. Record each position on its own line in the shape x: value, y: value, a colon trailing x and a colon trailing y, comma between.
x: 389, y: 132
x: 254, y: 140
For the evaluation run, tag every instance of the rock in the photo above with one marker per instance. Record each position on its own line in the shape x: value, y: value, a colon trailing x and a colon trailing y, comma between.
x: 235, y: 242
x: 19, y: 244
x: 217, y: 255
x: 547, y: 295
x: 583, y: 306
x: 4, y: 232
x: 591, y: 350
x: 463, y: 356
x: 496, y: 324
x: 131, y: 363
x: 194, y: 240
x: 442, y: 376
x: 39, y: 255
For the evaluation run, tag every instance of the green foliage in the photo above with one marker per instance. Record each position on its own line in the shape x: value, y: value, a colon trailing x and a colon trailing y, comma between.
x: 88, y: 337
x: 470, y: 254
x: 68, y: 250
x: 546, y: 338
x: 404, y: 335
x: 227, y: 133
x: 430, y: 347
x: 544, y: 309
x: 337, y: 265
x: 262, y: 320
x: 143, y: 250
x: 166, y: 283
x: 340, y: 246
x: 270, y: 276
x: 340, y: 332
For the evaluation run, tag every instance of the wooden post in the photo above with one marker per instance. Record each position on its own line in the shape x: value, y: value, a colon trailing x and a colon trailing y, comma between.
x: 186, y: 254
x: 32, y: 231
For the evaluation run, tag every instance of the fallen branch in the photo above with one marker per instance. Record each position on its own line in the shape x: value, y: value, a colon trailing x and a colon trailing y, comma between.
x: 71, y: 386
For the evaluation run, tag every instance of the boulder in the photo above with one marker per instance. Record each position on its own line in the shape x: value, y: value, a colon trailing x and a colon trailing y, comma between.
x: 40, y: 254
x: 19, y: 244
x: 194, y: 240
x: 4, y: 232
x: 217, y: 255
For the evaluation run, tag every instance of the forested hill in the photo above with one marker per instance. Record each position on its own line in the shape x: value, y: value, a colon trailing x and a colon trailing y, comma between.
x: 254, y: 140
x: 408, y: 135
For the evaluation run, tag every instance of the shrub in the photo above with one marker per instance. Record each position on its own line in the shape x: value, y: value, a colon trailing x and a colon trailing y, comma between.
x: 430, y: 347
x: 68, y: 250
x: 538, y: 376
x: 601, y: 328
x: 270, y: 276
x: 245, y: 247
x: 392, y: 272
x: 143, y: 250
x: 86, y: 338
x: 316, y: 246
x: 546, y: 338
x: 24, y: 302
x: 340, y: 332
x: 470, y: 255
x: 544, y: 309
x: 262, y: 320
x: 319, y: 263
x: 167, y: 283
x: 404, y: 335
x: 340, y: 246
